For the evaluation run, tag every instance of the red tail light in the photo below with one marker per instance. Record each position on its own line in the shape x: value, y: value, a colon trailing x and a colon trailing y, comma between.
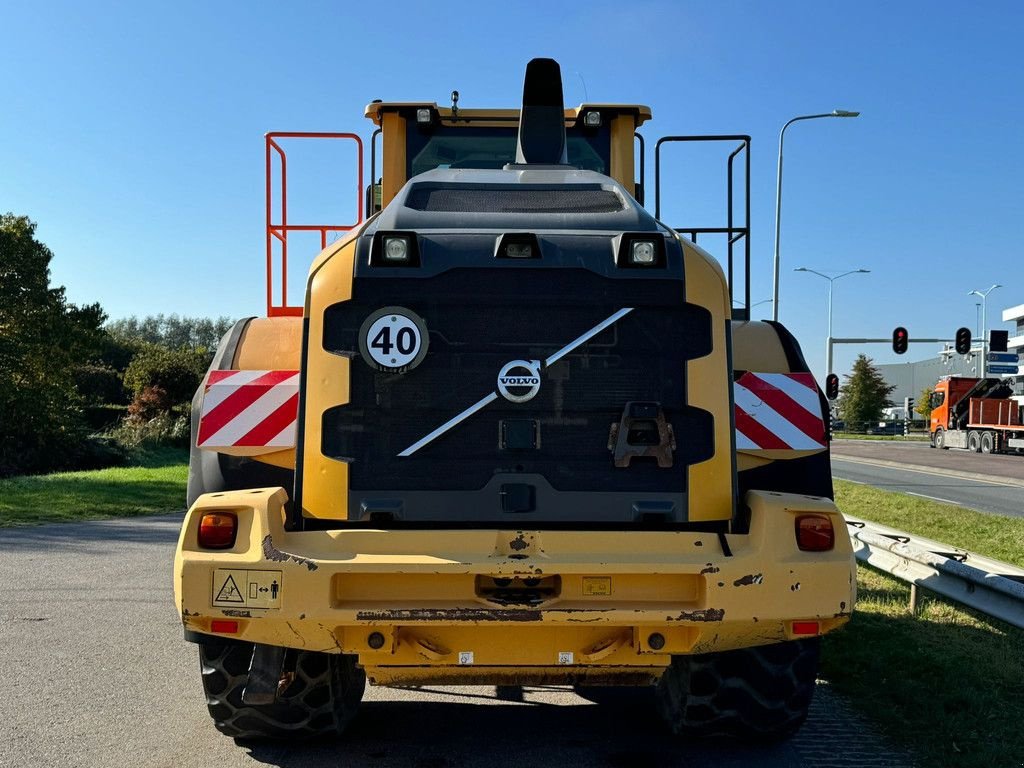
x: 224, y: 626
x: 814, y: 533
x: 806, y: 628
x: 217, y: 530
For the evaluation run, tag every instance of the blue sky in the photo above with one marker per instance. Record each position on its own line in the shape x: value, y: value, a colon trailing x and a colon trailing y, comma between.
x: 132, y: 134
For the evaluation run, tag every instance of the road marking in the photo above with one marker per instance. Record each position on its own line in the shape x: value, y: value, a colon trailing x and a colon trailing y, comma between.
x: 933, y: 498
x: 948, y: 473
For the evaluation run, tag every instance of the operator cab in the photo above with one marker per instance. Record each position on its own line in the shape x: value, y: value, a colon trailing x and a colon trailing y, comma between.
x: 419, y: 137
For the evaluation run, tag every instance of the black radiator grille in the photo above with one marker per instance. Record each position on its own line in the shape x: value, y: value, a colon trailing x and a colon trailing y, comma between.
x: 479, y: 320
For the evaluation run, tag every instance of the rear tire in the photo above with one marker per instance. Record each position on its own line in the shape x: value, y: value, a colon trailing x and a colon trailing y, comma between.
x: 760, y: 693
x: 973, y: 441
x: 320, y: 700
x: 987, y: 442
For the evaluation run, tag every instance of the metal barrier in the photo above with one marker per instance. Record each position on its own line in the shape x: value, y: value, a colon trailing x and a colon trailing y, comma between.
x: 986, y: 585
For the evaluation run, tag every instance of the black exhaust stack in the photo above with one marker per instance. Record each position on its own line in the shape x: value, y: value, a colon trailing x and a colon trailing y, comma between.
x: 542, y: 119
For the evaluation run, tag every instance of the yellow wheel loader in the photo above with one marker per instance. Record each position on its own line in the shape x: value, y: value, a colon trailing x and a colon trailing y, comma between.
x: 517, y: 434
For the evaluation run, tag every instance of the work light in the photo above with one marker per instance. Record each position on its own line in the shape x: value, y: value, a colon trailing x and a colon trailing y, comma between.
x: 396, y: 249
x: 643, y: 252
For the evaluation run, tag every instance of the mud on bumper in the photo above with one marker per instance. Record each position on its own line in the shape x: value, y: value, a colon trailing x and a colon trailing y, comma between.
x: 487, y: 605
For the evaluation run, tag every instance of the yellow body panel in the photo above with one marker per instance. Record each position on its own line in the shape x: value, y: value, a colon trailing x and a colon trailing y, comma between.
x: 756, y: 347
x: 621, y: 166
x: 270, y: 343
x: 393, y: 143
x: 325, y: 480
x: 422, y: 591
x: 705, y: 287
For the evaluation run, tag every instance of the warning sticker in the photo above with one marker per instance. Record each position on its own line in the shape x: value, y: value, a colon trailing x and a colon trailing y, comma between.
x: 597, y: 585
x: 233, y: 588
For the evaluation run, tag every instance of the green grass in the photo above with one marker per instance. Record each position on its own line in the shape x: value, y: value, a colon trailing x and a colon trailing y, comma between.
x: 156, y: 484
x: 985, y: 534
x: 946, y: 682
x: 913, y: 437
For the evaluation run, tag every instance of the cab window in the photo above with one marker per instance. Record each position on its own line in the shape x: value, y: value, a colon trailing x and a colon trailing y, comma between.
x: 446, y: 146
x: 937, y: 399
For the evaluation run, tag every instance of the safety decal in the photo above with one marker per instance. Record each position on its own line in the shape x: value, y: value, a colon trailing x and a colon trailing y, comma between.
x: 235, y: 588
x: 252, y: 410
x: 778, y: 411
x: 393, y: 340
x: 597, y: 585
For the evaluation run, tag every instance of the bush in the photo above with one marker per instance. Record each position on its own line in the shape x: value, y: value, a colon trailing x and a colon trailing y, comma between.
x: 177, y: 372
x: 99, y: 384
x: 148, y: 404
x: 100, y: 418
x: 165, y: 429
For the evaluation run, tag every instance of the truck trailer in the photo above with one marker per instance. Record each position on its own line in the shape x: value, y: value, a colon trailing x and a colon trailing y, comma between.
x: 979, y: 415
x: 516, y: 434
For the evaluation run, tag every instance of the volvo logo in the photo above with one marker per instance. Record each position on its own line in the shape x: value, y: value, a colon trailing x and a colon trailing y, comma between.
x: 519, y: 380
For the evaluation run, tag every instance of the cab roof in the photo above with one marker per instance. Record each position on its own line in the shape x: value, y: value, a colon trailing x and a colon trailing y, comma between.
x: 375, y: 111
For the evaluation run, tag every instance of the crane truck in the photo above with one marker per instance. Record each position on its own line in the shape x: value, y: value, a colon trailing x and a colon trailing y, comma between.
x: 516, y: 434
x: 980, y: 415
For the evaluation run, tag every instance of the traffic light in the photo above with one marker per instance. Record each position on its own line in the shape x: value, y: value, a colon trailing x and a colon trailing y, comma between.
x: 963, y: 341
x: 832, y: 386
x: 908, y: 406
x: 900, y: 338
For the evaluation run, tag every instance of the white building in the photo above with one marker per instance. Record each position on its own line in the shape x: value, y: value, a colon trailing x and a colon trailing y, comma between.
x: 1015, y: 315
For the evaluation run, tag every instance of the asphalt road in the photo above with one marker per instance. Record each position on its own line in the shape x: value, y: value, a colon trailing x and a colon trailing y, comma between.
x: 986, y: 483
x: 95, y: 674
x: 975, y: 494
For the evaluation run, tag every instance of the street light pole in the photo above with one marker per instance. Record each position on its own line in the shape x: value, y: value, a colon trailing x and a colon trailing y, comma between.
x: 831, y: 280
x: 984, y: 326
x: 778, y: 197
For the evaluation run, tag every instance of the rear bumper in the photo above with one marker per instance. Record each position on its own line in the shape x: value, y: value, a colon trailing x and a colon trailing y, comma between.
x: 424, y: 605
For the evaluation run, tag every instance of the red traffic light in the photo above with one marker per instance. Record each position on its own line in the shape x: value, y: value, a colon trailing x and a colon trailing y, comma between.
x: 963, y: 341
x: 900, y: 339
x: 832, y: 386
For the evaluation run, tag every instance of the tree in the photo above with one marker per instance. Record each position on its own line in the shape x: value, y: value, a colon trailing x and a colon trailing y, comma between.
x: 42, y: 339
x: 924, y: 403
x: 173, y: 332
x: 864, y: 394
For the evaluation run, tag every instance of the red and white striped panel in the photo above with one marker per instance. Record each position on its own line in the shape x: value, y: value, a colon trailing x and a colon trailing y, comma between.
x: 778, y: 411
x: 249, y: 412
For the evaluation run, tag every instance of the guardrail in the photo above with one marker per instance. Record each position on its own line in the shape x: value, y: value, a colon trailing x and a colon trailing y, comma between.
x: 986, y: 585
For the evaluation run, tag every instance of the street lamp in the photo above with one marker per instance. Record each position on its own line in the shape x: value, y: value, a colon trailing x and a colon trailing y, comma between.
x: 984, y: 328
x: 828, y: 340
x: 778, y: 196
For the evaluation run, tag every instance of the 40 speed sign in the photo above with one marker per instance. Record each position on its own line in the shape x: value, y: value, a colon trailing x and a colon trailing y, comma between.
x: 393, y: 339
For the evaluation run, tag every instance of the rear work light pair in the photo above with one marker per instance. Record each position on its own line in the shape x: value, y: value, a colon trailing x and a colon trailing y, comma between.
x: 400, y: 249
